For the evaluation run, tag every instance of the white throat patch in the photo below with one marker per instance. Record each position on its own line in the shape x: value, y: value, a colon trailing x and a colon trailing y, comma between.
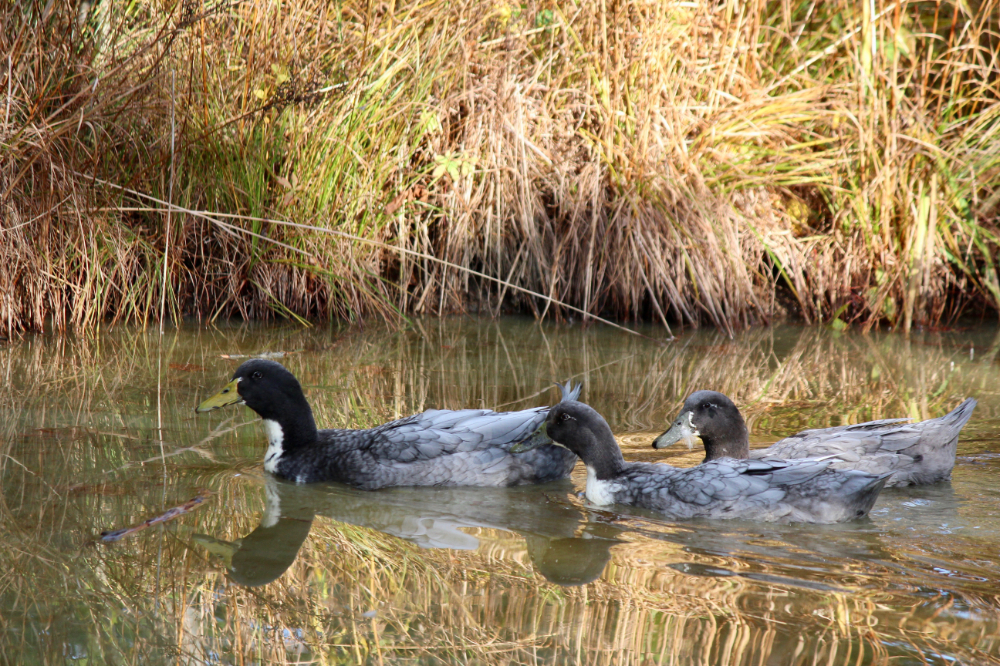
x: 275, y: 438
x: 598, y: 491
x: 690, y: 432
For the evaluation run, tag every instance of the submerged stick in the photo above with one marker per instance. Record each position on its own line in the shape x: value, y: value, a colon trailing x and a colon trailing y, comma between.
x: 193, y: 503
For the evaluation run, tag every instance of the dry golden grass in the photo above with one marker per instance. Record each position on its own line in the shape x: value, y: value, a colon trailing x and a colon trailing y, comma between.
x: 678, y: 162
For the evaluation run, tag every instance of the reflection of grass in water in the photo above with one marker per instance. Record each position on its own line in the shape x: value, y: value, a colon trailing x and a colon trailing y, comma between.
x: 822, y: 379
x: 155, y: 594
x: 355, y: 378
x: 482, y: 606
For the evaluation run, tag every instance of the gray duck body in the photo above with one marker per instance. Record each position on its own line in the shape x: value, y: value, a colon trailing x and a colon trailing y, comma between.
x: 911, y: 453
x: 469, y: 447
x: 766, y: 490
x: 806, y: 491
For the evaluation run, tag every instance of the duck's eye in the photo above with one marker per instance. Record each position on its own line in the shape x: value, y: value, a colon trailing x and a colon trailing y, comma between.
x: 565, y: 417
x: 256, y: 374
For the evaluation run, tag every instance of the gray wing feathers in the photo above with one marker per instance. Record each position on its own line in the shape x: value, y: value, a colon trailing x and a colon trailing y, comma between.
x: 799, y: 490
x: 440, y: 418
x: 469, y: 447
x: 854, y: 427
x: 875, y: 425
x: 430, y: 449
x: 436, y: 433
x: 720, y: 480
x: 921, y: 452
x: 793, y: 474
x: 903, y: 438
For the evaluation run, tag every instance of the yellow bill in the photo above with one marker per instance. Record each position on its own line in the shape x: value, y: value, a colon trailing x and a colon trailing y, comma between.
x: 227, y: 396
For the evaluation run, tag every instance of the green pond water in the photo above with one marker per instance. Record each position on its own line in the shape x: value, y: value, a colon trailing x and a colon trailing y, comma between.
x: 99, y: 433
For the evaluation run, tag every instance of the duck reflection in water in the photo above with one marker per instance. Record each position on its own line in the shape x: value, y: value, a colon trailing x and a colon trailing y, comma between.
x: 827, y: 558
x: 565, y: 544
x: 569, y: 544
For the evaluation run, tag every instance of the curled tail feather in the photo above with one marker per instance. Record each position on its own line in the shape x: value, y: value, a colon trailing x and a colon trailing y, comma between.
x: 959, y: 416
x: 569, y: 391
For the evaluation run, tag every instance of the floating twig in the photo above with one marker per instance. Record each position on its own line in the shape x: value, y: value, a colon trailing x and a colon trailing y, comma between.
x: 169, y: 514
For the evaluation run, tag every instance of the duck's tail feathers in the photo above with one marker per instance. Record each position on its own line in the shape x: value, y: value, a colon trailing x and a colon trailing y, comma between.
x: 958, y: 417
x: 569, y: 392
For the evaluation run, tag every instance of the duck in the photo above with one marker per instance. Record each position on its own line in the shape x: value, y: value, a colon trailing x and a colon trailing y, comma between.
x: 466, y: 447
x: 912, y: 453
x: 769, y: 490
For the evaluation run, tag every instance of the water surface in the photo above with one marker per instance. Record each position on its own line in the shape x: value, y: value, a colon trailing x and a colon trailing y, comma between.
x: 99, y: 433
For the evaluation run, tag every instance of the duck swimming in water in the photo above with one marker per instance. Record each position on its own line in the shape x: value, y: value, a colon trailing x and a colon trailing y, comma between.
x: 769, y: 490
x: 467, y: 447
x: 913, y: 453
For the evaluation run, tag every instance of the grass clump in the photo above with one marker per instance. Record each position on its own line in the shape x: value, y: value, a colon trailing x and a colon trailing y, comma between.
x: 685, y: 163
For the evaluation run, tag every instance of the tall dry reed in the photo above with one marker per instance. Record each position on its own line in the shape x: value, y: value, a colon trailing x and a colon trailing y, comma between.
x: 692, y: 162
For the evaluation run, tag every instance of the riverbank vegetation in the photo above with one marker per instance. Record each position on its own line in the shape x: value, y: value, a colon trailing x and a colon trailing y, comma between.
x: 688, y: 163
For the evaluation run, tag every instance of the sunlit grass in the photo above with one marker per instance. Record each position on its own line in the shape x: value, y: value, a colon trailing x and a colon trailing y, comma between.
x: 673, y: 162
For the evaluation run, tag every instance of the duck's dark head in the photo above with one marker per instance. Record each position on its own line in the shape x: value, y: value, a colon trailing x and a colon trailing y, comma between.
x: 579, y: 428
x: 275, y: 394
x: 264, y: 386
x: 714, y: 419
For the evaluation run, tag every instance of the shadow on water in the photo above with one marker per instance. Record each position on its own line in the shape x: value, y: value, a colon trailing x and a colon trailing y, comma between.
x: 98, y: 433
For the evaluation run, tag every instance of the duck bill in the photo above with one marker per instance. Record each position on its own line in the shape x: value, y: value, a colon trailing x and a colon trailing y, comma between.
x: 227, y: 396
x: 679, y: 431
x: 534, y: 440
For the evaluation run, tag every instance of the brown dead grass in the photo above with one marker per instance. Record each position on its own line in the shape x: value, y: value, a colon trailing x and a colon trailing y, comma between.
x: 683, y: 163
